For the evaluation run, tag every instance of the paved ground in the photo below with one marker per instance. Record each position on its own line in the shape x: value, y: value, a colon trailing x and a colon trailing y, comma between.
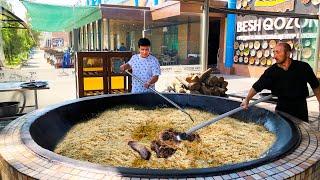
x: 63, y: 84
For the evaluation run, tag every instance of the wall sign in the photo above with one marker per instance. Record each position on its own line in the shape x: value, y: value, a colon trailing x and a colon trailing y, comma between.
x: 57, y: 42
x: 271, y: 24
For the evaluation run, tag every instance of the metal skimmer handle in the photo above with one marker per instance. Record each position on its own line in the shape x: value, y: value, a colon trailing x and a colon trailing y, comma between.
x: 207, y: 123
x: 171, y: 102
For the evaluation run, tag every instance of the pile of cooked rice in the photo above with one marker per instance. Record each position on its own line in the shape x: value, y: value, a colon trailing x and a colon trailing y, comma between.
x: 104, y: 139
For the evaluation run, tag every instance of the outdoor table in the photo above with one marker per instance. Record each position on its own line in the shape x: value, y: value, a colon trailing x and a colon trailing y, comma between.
x: 15, y: 86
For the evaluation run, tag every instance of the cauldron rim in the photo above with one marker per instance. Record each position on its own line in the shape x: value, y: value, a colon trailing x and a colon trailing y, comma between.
x: 139, y: 172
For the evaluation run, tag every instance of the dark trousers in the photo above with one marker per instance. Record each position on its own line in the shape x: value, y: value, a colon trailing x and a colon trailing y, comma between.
x: 296, y: 108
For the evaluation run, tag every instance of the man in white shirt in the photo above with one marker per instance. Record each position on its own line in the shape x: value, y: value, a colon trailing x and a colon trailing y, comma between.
x: 145, y: 66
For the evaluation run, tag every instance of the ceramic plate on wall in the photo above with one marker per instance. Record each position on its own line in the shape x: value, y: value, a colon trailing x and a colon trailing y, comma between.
x: 235, y: 59
x: 250, y: 45
x: 246, y: 52
x: 257, y: 61
x: 241, y: 46
x: 272, y: 43
x: 251, y: 60
x: 241, y: 59
x: 246, y: 59
x: 266, y: 53
x: 256, y: 45
x: 244, y: 3
x: 236, y: 45
x: 246, y: 45
x: 264, y: 45
x: 306, y: 53
x: 269, y: 62
x: 259, y: 54
x: 253, y: 52
x: 263, y: 61
x: 307, y: 43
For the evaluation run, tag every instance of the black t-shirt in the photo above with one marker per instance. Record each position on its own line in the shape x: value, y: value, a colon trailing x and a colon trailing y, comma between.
x: 288, y: 85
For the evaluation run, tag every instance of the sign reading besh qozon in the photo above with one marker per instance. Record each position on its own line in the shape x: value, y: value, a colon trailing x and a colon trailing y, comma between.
x: 254, y: 28
x: 272, y: 24
x: 257, y: 27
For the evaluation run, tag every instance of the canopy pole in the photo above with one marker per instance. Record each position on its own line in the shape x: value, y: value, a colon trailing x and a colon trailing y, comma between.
x: 204, y: 36
x: 144, y: 24
x: 316, y: 59
x: 108, y: 35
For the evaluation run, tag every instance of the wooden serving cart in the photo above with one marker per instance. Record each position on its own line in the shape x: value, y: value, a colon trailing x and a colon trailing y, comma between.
x: 99, y: 73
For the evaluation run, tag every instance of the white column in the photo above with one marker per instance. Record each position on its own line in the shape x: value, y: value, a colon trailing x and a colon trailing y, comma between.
x: 204, y: 35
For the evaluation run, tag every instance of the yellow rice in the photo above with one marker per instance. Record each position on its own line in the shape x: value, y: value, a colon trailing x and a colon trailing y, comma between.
x: 104, y: 139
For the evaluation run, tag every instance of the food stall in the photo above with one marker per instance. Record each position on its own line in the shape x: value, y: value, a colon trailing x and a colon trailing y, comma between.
x: 257, y: 35
x: 99, y: 73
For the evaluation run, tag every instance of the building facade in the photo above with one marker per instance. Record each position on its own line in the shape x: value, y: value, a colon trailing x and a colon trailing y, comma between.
x: 173, y: 28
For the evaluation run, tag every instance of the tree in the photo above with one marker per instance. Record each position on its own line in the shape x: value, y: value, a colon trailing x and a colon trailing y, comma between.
x: 16, y: 42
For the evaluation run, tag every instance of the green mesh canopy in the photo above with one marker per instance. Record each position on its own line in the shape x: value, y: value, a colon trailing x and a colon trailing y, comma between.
x: 52, y: 18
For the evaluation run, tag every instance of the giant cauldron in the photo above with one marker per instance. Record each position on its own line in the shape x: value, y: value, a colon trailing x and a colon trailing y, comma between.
x: 43, y: 129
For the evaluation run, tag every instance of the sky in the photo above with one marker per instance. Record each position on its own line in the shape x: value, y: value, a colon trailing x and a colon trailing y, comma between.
x: 20, y: 11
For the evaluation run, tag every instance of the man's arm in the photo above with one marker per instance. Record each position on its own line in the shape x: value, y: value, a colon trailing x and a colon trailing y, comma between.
x: 152, y: 81
x: 245, y: 102
x: 316, y: 92
x: 124, y: 67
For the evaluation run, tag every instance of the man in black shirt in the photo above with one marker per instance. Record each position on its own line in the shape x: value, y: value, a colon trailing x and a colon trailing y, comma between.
x: 287, y: 79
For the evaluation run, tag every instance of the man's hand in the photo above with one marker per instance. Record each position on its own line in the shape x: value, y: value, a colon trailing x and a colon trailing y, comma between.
x: 244, y: 104
x: 122, y: 67
x: 316, y: 92
x: 146, y: 85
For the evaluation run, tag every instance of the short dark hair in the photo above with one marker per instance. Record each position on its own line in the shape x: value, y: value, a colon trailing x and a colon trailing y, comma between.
x: 286, y: 46
x: 144, y: 42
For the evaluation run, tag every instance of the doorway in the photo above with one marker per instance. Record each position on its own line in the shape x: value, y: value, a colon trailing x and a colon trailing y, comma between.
x: 213, y: 42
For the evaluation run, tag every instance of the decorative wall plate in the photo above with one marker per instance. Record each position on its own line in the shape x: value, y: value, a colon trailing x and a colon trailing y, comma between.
x: 306, y: 53
x: 250, y: 45
x: 236, y: 45
x: 251, y: 60
x: 272, y: 43
x: 253, y: 52
x: 256, y: 45
x: 246, y: 59
x: 241, y: 46
x: 259, y: 54
x: 264, y: 45
x: 263, y: 61
x: 235, y: 59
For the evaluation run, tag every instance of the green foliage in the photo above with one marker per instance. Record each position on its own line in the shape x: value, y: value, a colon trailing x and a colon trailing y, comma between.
x: 17, y: 42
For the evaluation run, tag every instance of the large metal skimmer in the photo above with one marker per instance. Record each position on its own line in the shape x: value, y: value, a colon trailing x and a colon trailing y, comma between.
x: 183, y: 136
x: 167, y: 99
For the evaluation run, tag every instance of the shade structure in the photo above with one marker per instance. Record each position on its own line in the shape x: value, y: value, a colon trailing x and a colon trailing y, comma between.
x: 52, y: 18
